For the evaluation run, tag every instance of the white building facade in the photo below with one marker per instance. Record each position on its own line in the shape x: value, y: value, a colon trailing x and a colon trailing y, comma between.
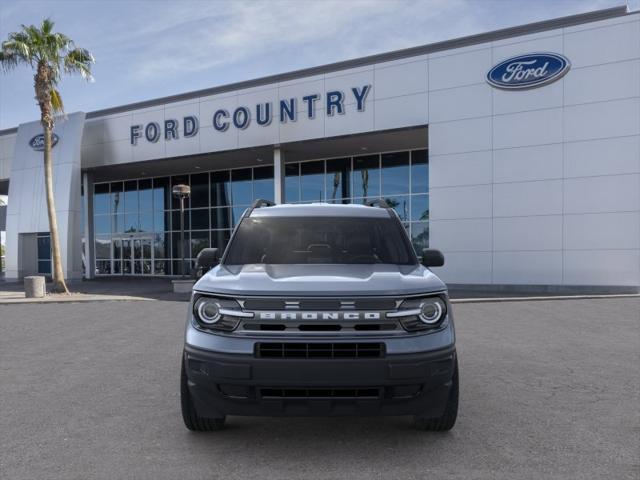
x: 515, y: 152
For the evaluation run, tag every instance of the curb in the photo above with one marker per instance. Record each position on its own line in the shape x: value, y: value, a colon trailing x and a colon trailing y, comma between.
x: 71, y: 299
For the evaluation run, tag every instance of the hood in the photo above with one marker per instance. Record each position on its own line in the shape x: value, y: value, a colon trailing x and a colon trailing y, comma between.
x: 319, y: 280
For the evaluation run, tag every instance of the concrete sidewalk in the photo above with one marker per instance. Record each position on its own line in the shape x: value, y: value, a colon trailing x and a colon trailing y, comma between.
x: 103, y: 289
x: 19, y: 297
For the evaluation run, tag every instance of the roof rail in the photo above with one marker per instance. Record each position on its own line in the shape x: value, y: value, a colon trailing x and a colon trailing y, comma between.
x: 377, y: 201
x: 259, y: 203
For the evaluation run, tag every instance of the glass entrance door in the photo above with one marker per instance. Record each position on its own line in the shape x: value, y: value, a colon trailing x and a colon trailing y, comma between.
x: 133, y: 256
x: 142, y: 261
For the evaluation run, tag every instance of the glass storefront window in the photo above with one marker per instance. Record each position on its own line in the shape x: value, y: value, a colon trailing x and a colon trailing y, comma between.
x: 131, y: 196
x: 145, y: 195
x: 395, y: 173
x: 180, y: 268
x: 144, y: 211
x: 200, y: 219
x: 199, y: 240
x: 44, y: 246
x: 161, y: 221
x: 44, y: 252
x: 131, y: 223
x: 292, y: 182
x: 200, y: 190
x: 420, y: 207
x: 338, y: 180
x: 101, y: 198
x: 117, y: 248
x: 102, y: 224
x: 162, y: 267
x: 220, y: 189
x: 117, y: 201
x: 175, y: 220
x: 145, y: 222
x: 160, y: 245
x: 161, y: 194
x: 117, y: 223
x: 312, y: 181
x: 103, y: 247
x: 366, y: 176
x: 263, y: 183
x: 176, y: 250
x: 419, y: 171
x: 220, y: 218
x: 241, y: 191
x: 103, y: 267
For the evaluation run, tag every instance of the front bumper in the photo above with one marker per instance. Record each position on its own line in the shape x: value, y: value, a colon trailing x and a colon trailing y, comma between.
x: 411, y: 383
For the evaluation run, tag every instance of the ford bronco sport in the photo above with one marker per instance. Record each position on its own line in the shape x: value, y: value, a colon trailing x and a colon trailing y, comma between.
x: 319, y: 309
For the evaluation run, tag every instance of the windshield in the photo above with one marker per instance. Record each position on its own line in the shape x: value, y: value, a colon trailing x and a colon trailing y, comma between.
x: 306, y: 240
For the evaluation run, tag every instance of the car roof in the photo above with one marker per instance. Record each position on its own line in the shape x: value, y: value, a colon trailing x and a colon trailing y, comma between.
x: 320, y: 210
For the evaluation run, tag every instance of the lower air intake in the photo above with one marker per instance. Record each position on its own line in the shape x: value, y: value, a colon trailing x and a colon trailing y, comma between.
x: 319, y: 350
x: 320, y: 392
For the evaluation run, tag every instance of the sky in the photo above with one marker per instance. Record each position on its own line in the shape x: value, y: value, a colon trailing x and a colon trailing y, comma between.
x: 146, y: 49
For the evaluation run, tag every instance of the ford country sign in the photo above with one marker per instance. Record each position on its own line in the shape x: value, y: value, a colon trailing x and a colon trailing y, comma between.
x: 528, y: 71
x: 285, y: 110
x: 37, y: 142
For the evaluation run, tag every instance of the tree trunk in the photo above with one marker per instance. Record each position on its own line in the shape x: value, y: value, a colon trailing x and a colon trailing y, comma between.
x: 43, y: 95
x: 59, y: 284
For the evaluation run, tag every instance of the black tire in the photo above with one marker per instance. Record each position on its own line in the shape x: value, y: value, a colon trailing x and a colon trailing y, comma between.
x: 190, y: 416
x: 448, y: 418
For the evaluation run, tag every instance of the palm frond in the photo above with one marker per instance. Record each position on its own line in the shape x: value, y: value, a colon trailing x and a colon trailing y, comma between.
x: 79, y: 60
x: 56, y: 101
x: 47, y: 26
x: 52, y: 53
x: 8, y: 60
x: 20, y: 46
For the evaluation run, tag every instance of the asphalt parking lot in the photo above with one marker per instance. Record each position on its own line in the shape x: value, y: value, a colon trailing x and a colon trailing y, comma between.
x: 549, y: 389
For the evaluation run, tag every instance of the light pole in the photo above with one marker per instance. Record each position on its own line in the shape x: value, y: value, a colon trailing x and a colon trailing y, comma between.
x: 182, y: 192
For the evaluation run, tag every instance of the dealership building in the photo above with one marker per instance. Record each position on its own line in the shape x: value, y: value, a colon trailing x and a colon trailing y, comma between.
x: 515, y: 152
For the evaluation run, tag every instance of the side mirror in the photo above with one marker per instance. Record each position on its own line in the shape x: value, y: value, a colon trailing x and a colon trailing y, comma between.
x: 432, y: 257
x: 206, y: 260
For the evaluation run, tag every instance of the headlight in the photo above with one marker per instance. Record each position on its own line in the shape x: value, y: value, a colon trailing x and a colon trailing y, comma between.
x: 208, y: 310
x: 421, y: 313
x: 218, y: 313
x: 431, y: 310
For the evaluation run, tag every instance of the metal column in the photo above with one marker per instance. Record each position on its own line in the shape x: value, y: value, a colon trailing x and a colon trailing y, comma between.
x: 278, y: 175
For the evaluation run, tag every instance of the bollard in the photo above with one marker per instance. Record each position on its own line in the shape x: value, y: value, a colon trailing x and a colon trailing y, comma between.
x: 34, y: 287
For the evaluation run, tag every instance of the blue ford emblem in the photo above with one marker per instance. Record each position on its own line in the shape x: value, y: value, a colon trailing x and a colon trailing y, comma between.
x: 528, y: 71
x: 37, y: 142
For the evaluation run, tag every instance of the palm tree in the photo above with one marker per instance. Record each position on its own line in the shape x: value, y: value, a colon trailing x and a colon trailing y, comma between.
x: 50, y: 55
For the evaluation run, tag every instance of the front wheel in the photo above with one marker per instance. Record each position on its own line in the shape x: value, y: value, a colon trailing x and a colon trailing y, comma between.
x: 448, y: 419
x: 192, y: 420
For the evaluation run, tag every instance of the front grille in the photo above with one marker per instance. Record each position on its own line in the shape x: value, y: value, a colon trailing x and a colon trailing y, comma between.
x: 317, y: 327
x: 319, y: 350
x: 321, y: 304
x: 320, y: 392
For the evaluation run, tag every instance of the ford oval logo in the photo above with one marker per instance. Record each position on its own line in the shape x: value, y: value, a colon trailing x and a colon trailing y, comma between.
x: 37, y: 142
x: 528, y: 71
